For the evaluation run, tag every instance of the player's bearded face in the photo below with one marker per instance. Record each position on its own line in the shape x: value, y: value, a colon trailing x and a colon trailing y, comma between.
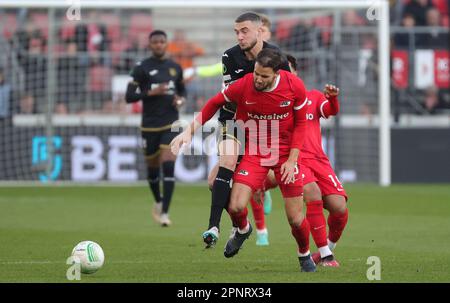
x: 158, y: 45
x: 263, y: 77
x: 247, y: 34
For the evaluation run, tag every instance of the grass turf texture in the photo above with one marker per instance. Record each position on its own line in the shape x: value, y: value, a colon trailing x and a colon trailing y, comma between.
x: 406, y: 226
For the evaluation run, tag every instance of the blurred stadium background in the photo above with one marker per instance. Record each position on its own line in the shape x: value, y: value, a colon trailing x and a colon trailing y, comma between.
x: 63, y: 118
x: 65, y: 79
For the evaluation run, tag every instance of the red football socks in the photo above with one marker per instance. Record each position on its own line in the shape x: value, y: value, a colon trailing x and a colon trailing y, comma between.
x: 336, y: 224
x: 317, y: 221
x: 301, y: 235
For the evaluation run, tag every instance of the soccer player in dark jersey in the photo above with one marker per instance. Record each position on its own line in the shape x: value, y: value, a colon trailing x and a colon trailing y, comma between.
x: 161, y: 89
x: 322, y: 187
x: 271, y: 109
x: 237, y: 62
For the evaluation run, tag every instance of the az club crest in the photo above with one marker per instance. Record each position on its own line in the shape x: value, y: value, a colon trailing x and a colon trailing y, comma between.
x: 172, y: 72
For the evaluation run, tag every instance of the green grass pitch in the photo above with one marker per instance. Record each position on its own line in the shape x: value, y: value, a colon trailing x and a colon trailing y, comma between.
x: 406, y: 226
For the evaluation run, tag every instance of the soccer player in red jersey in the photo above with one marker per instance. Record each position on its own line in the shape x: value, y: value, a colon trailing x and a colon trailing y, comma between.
x: 269, y: 101
x: 322, y: 187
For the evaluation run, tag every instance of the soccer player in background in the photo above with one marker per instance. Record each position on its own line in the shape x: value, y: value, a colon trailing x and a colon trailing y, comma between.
x: 237, y: 62
x: 159, y: 81
x: 321, y: 185
x: 275, y: 101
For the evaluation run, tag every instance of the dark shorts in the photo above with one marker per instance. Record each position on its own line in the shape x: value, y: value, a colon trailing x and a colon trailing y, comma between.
x: 153, y: 141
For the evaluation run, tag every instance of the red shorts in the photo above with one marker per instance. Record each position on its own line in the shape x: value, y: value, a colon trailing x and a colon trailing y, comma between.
x: 252, y: 174
x: 321, y: 172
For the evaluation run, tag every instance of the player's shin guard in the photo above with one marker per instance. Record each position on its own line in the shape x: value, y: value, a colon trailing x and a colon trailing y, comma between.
x: 336, y: 224
x: 240, y: 218
x: 220, y: 195
x: 258, y: 214
x: 168, y: 184
x: 317, y: 221
x: 301, y: 235
x: 153, y: 182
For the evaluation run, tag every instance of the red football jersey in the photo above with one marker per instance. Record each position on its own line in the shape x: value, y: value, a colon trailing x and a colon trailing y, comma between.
x: 312, y: 146
x: 270, y: 116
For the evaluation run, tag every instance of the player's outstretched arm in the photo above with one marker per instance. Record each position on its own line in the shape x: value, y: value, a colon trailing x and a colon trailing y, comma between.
x: 331, y: 108
x: 206, y: 113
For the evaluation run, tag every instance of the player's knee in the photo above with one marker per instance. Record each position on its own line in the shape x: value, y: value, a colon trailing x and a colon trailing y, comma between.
x: 295, y: 219
x: 235, y: 208
x: 311, y: 192
x: 336, y: 205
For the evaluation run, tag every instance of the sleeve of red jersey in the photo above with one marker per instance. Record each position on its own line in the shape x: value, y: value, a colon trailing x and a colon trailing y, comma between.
x: 299, y: 115
x: 327, y: 107
x: 231, y: 93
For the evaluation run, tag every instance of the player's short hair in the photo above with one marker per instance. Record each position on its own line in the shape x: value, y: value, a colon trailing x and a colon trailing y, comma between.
x: 270, y: 57
x: 292, y: 60
x: 157, y: 32
x: 265, y: 21
x: 248, y: 16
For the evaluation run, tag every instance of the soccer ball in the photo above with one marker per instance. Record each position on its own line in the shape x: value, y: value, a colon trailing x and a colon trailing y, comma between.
x: 90, y: 256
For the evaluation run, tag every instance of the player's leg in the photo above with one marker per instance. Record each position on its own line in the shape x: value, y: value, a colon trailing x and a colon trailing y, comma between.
x: 247, y: 179
x: 269, y: 183
x: 300, y: 229
x: 335, y: 200
x: 211, y: 236
x: 262, y: 234
x: 150, y: 145
x: 167, y: 159
x: 212, y: 175
x: 238, y: 212
x: 221, y: 188
x: 317, y: 221
x: 337, y: 219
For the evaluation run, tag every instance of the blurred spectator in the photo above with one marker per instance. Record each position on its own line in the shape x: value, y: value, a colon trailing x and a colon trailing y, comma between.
x: 20, y: 42
x: 27, y: 104
x: 182, y: 50
x: 71, y: 76
x: 303, y: 39
x: 403, y: 40
x: 5, y: 96
x: 352, y: 18
x: 435, y: 39
x: 81, y: 37
x: 99, y: 83
x: 418, y: 9
x: 431, y: 101
x: 396, y: 10
x: 127, y: 59
x: 35, y: 70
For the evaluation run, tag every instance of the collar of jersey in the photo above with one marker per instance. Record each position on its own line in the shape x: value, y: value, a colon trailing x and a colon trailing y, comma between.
x: 277, y: 81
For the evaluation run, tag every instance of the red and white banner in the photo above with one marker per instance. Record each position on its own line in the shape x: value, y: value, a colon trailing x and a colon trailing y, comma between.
x: 400, y: 68
x: 441, y: 69
x: 424, y: 68
x: 432, y: 69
